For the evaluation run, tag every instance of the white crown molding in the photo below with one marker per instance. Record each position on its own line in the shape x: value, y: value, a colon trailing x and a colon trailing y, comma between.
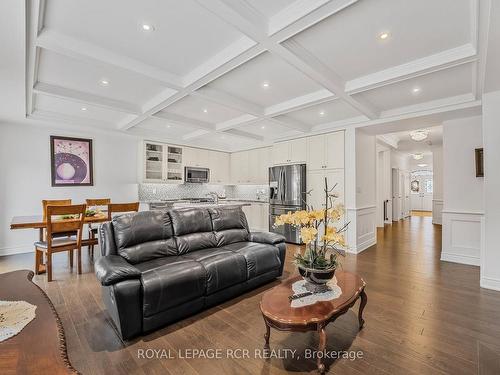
x: 86, y: 98
x: 79, y: 122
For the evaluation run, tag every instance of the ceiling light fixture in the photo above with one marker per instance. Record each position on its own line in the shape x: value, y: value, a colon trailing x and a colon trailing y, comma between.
x: 205, y: 110
x: 147, y: 27
x: 263, y: 127
x: 321, y: 113
x: 416, y: 90
x: 384, y: 35
x: 83, y: 108
x: 265, y: 84
x: 419, y: 135
x: 168, y: 126
x: 104, y: 82
x: 418, y: 156
x: 422, y: 165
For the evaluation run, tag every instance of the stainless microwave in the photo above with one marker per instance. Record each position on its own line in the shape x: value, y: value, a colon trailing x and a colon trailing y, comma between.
x: 196, y: 174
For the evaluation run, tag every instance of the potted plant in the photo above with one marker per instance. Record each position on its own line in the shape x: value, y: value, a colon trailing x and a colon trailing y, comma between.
x: 319, y: 261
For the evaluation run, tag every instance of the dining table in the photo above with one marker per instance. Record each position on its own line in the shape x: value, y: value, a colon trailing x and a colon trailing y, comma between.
x: 38, y: 223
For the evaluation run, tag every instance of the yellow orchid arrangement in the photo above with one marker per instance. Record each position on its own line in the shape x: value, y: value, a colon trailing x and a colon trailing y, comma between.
x: 321, y: 251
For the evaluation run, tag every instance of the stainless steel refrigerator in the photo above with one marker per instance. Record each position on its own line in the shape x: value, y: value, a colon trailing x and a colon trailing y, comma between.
x: 287, y: 192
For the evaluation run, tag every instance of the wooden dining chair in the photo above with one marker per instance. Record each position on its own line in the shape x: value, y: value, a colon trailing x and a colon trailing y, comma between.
x: 54, y: 243
x: 115, y: 208
x: 99, y: 203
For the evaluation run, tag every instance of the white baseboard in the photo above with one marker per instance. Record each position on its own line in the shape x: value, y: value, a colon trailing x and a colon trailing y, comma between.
x: 21, y: 249
x: 363, y: 246
x: 489, y: 283
x: 458, y: 258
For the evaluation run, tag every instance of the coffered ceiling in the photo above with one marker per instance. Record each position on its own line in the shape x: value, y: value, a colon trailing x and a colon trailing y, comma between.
x: 236, y: 74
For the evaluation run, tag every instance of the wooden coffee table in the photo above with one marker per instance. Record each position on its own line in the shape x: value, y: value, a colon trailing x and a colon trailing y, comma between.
x: 278, y: 313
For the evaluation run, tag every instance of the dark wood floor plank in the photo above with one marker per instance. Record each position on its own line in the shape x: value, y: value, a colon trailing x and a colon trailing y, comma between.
x: 423, y: 316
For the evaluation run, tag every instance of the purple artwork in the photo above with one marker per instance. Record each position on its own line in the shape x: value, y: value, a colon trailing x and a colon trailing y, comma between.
x: 71, y: 160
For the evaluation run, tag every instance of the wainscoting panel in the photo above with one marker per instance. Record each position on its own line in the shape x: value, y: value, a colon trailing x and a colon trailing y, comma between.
x: 437, y: 211
x: 462, y: 237
x: 362, y: 230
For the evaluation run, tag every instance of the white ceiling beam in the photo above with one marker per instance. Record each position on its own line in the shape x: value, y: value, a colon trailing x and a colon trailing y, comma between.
x: 297, y: 56
x: 83, y: 51
x: 71, y: 120
x: 235, y: 122
x: 86, y: 98
x: 229, y: 100
x: 300, y: 102
x: 307, y: 13
x: 291, y: 124
x: 217, y: 72
x: 35, y: 10
x: 196, y: 134
x: 389, y: 139
x: 185, y: 121
x: 244, y: 134
x: 439, y: 61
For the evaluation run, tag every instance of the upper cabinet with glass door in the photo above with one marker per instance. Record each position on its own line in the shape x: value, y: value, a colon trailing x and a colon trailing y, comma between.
x: 162, y: 163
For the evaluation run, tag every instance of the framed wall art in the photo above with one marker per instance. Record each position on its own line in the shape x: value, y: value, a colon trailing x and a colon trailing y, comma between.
x: 71, y: 161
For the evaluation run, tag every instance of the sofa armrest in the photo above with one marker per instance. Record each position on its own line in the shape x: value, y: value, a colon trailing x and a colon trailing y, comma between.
x: 113, y: 268
x: 266, y: 237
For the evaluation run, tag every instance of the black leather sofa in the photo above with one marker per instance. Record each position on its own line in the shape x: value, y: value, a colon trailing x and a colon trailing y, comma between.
x: 160, y: 266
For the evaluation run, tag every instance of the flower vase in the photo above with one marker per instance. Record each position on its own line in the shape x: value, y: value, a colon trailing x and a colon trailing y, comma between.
x: 316, y: 279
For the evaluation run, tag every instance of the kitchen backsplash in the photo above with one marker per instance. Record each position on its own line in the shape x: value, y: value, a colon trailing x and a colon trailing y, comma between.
x: 152, y: 192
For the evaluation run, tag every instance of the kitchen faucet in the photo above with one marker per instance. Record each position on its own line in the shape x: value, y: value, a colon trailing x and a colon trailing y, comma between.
x: 214, y: 195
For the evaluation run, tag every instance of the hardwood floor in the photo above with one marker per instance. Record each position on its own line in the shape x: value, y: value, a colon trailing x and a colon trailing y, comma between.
x: 423, y: 316
x: 421, y: 213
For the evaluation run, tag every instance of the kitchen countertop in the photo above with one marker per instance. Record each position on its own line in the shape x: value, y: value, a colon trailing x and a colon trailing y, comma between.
x: 179, y: 201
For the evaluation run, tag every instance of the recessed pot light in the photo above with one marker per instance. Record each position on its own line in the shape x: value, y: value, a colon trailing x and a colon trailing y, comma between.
x: 265, y: 85
x: 322, y: 113
x: 416, y: 90
x: 422, y: 165
x: 168, y: 126
x: 263, y: 127
x: 205, y: 110
x: 147, y: 27
x: 83, y: 109
x: 384, y: 35
x: 104, y: 82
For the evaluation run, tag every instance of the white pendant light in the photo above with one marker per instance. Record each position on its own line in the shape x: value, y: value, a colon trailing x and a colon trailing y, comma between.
x: 419, y: 135
x: 418, y: 156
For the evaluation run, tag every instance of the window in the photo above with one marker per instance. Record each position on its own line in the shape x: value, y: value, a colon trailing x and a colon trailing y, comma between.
x: 428, y: 186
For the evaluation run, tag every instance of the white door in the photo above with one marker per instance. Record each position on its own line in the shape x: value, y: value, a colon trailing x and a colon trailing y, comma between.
x: 427, y: 193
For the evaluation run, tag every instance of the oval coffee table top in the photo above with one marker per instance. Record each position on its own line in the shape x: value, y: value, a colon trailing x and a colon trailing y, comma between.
x: 276, y: 306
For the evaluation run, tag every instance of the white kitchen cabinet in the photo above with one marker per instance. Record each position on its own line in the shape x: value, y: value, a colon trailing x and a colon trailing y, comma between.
x: 250, y: 167
x: 325, y: 151
x: 218, y: 162
x: 196, y: 157
x: 162, y: 163
x: 239, y: 167
x: 316, y: 186
x: 288, y: 152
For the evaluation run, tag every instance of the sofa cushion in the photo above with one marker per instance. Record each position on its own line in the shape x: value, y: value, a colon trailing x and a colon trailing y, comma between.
x: 192, y: 229
x: 260, y: 258
x: 223, y: 268
x: 170, y: 281
x: 144, y: 235
x: 230, y: 225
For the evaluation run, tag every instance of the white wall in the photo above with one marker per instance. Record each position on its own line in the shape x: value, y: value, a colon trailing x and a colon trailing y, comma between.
x: 462, y: 191
x: 25, y: 174
x: 384, y: 191
x: 437, y: 197
x: 490, y: 256
x: 360, y: 175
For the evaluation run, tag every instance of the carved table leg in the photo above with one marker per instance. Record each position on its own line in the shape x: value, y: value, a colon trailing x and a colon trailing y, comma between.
x: 362, y: 305
x: 267, y: 335
x: 321, y: 348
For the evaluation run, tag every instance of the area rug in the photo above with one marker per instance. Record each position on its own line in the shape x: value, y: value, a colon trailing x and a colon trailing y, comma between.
x: 14, y: 316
